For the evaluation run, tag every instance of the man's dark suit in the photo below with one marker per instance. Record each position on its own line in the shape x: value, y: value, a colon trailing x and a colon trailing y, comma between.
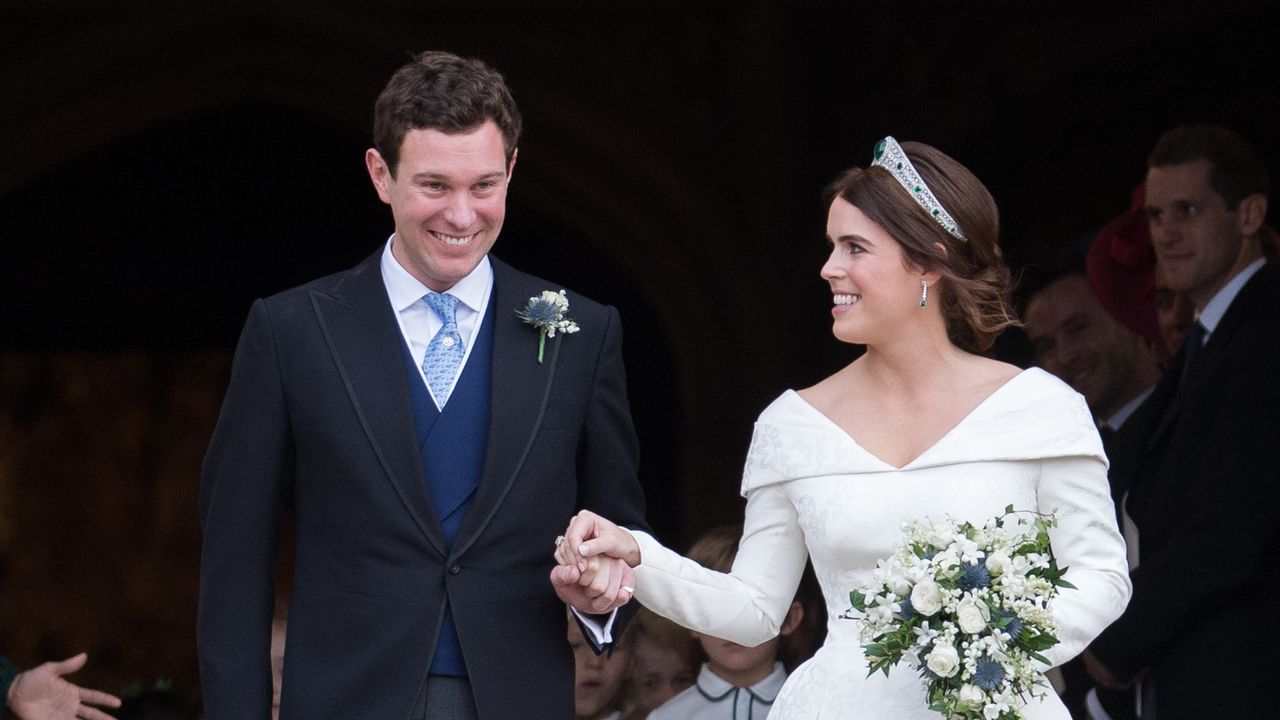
x: 1205, y: 495
x: 317, y: 420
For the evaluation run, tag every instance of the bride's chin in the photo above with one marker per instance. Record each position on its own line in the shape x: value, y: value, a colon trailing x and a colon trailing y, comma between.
x: 844, y: 335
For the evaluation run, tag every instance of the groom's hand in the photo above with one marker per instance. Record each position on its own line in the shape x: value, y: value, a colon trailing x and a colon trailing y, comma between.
x: 606, y: 586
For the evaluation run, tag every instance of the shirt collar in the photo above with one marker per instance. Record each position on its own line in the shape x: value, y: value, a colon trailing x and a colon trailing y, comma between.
x: 1213, y: 311
x: 1118, y: 418
x: 405, y: 289
x: 714, y: 687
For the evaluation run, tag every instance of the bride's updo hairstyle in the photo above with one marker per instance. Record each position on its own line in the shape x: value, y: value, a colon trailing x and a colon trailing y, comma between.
x: 974, y: 289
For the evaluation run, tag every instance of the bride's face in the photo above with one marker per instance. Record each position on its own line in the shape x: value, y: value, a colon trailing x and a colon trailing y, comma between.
x: 873, y: 289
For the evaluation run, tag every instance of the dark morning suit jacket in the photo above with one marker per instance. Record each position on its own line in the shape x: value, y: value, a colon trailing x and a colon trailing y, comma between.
x: 1205, y: 493
x: 318, y: 421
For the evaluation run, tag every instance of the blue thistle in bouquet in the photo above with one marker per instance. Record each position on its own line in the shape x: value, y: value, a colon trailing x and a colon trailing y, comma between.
x: 967, y: 607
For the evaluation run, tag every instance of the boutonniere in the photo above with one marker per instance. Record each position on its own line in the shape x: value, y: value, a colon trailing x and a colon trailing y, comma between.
x: 546, y: 312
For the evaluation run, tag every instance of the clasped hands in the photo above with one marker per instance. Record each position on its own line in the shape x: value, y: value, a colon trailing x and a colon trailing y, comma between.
x: 595, y: 559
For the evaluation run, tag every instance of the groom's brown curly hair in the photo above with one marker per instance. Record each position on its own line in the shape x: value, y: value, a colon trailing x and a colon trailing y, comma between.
x: 441, y: 91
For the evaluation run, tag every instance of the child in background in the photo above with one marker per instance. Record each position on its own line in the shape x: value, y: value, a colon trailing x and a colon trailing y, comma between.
x: 599, y: 681
x: 666, y: 661
x: 736, y: 682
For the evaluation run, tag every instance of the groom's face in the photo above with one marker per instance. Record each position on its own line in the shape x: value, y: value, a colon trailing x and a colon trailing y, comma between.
x: 448, y: 198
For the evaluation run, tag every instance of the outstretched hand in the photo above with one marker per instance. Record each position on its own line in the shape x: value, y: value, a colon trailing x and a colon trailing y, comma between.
x: 41, y: 694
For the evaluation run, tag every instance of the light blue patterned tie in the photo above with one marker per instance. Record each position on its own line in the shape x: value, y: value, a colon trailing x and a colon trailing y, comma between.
x: 444, y: 354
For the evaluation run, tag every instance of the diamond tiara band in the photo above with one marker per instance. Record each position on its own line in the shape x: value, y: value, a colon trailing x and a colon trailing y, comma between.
x: 890, y: 156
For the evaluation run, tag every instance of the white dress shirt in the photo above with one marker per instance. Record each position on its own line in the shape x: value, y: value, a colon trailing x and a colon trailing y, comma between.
x: 1217, y: 307
x: 419, y: 323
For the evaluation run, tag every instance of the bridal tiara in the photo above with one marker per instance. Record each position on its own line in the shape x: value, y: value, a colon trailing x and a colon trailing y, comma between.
x: 890, y: 156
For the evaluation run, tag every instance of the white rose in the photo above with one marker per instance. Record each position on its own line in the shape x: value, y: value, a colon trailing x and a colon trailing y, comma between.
x: 972, y: 616
x: 943, y: 660
x: 971, y: 696
x: 946, y: 559
x: 926, y: 597
x: 998, y: 563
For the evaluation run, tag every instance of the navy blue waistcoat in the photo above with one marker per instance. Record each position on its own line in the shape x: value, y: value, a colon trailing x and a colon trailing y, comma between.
x: 452, y: 443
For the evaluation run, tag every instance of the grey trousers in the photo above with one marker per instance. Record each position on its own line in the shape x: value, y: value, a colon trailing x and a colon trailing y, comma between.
x: 445, y: 698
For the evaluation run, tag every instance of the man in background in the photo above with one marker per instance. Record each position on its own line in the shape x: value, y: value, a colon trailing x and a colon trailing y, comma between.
x: 1206, y: 484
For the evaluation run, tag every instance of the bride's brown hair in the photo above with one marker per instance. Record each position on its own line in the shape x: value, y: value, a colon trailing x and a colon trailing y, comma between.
x: 975, y: 281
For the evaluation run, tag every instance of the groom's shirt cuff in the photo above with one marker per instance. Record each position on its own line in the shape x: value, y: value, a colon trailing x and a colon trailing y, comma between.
x: 602, y: 632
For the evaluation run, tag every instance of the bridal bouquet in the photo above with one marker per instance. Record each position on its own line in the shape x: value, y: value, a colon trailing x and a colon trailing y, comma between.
x: 968, y: 607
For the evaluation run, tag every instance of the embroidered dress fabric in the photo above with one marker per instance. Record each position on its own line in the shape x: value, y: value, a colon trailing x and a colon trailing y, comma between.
x: 813, y: 490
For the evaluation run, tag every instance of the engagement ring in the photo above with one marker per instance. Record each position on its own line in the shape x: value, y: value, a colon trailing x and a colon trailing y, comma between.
x: 559, y: 539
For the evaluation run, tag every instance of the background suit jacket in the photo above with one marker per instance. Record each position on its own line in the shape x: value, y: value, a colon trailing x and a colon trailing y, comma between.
x: 317, y: 420
x: 1204, y: 494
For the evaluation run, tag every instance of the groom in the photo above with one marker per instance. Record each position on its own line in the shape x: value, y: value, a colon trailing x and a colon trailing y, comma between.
x: 428, y: 447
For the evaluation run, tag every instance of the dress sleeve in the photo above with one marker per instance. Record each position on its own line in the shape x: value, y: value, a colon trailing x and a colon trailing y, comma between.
x: 1087, y: 543
x: 746, y: 605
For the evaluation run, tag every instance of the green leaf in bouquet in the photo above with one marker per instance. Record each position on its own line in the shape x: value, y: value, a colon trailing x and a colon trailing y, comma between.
x: 1033, y: 641
x: 879, y: 658
x: 858, y: 600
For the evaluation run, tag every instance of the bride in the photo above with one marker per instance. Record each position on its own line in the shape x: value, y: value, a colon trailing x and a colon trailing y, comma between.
x: 918, y: 426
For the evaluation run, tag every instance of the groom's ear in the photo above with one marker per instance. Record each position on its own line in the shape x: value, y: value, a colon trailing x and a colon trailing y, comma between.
x: 379, y: 173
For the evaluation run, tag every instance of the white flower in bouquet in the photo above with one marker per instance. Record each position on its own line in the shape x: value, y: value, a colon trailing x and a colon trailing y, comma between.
x: 943, y: 660
x: 972, y: 696
x: 926, y: 597
x: 998, y: 563
x: 972, y: 616
x: 969, y: 608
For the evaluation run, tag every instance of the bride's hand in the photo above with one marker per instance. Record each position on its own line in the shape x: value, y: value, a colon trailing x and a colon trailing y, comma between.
x: 590, y: 535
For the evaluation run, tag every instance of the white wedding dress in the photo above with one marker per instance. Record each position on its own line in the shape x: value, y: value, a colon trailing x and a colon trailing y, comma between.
x: 812, y: 490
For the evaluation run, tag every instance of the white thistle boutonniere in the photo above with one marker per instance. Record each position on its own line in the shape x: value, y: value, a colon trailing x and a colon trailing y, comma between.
x: 546, y: 312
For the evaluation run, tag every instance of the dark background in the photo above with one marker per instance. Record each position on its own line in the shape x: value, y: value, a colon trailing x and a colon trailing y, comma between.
x: 163, y: 164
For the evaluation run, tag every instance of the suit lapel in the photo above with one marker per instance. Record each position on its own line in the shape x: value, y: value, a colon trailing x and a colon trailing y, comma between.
x: 519, y: 390
x: 1254, y: 295
x: 360, y: 328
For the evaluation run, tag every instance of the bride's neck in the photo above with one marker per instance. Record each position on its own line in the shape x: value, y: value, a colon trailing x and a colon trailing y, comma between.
x: 912, y: 366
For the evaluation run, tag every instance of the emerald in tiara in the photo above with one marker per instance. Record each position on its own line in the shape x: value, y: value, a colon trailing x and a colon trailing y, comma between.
x: 889, y: 155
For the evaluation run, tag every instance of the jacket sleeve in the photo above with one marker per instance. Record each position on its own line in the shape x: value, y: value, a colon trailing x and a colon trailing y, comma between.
x: 609, y: 452
x: 244, y: 485
x: 1223, y: 541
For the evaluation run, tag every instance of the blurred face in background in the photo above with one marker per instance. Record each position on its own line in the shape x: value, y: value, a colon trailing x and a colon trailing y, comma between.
x: 597, y: 679
x: 661, y: 672
x: 1174, y: 312
x: 1073, y: 337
